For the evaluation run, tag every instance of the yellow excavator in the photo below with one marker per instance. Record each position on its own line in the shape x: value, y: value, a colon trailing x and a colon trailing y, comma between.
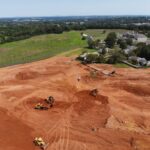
x: 38, y: 141
x: 40, y: 106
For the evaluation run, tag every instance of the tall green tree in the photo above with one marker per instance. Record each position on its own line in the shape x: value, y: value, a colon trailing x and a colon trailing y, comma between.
x: 129, y: 41
x: 111, y: 39
x: 123, y: 44
x: 143, y: 51
x: 114, y: 56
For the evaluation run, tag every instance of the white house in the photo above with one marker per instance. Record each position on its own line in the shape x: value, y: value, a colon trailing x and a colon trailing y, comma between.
x: 139, y: 61
x: 136, y: 37
x: 129, y: 49
x: 148, y: 42
x: 148, y: 64
x: 141, y: 38
x: 84, y: 35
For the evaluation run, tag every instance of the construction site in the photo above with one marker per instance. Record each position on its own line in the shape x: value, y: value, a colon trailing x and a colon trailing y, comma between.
x: 61, y: 104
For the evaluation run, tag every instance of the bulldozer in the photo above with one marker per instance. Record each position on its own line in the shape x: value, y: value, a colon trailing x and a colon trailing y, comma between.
x: 50, y: 101
x: 94, y: 92
x: 38, y: 141
x: 40, y: 106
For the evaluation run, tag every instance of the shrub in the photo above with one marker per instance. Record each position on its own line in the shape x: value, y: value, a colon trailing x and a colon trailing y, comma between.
x: 114, y: 56
x: 91, y: 58
x: 129, y: 41
x: 143, y: 51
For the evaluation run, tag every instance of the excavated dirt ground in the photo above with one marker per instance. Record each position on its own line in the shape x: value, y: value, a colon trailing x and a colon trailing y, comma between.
x: 117, y: 119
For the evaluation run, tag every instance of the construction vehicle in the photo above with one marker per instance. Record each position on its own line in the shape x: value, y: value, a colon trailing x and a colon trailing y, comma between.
x: 50, y: 101
x: 40, y: 106
x: 38, y: 141
x: 94, y: 92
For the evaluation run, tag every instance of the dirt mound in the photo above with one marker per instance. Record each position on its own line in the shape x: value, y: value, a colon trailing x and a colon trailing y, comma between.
x: 16, y: 93
x: 92, y: 107
x: 93, y: 78
x: 116, y: 123
x: 26, y: 75
x: 140, y: 90
x: 137, y: 89
x: 87, y: 101
x: 13, y: 133
x: 31, y: 102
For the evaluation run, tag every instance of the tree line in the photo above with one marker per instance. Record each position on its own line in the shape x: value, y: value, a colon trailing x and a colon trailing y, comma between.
x: 13, y: 31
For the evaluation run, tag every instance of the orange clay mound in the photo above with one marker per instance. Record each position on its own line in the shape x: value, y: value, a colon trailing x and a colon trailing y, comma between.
x: 25, y: 75
x: 118, y: 118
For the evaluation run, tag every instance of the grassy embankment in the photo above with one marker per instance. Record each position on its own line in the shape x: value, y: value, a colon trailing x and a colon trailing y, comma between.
x: 45, y: 46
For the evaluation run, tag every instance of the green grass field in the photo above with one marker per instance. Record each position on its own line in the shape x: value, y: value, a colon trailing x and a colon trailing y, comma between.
x: 121, y: 65
x: 45, y: 46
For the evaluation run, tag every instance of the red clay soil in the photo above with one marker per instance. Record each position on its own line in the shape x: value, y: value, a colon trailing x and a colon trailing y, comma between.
x: 118, y: 118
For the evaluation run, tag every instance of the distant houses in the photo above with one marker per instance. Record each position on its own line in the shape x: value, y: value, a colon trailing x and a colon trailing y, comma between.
x: 126, y: 47
x: 141, y: 38
x: 148, y: 64
x: 138, y: 61
x: 129, y: 49
x: 84, y: 36
x: 136, y: 37
x: 148, y: 42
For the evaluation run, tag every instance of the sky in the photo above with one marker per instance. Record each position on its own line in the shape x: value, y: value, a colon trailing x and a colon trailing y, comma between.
x: 27, y: 8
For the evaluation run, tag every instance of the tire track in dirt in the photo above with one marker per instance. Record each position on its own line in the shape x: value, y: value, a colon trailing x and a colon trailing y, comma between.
x: 60, y: 131
x: 58, y: 135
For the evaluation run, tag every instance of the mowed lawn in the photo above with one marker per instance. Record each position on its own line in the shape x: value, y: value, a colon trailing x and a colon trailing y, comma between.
x: 45, y: 46
x: 39, y: 47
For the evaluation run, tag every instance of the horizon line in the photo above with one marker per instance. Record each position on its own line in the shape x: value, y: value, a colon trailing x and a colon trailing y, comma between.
x: 130, y: 15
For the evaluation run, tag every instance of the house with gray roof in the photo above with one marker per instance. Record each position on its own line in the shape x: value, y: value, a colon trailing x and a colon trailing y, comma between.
x: 129, y: 49
x: 140, y: 38
x: 138, y: 60
x: 136, y: 37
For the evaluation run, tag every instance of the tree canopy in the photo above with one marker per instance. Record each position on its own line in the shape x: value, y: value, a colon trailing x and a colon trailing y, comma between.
x: 143, y: 51
x: 111, y: 39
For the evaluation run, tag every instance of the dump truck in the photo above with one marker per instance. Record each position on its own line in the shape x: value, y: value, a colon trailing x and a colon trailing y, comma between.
x: 38, y: 141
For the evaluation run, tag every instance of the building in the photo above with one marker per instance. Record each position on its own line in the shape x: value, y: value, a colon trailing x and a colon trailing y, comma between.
x: 84, y: 36
x: 129, y: 49
x: 142, y: 61
x: 148, y: 42
x: 140, y: 38
x: 138, y: 61
x: 148, y: 64
x: 136, y: 37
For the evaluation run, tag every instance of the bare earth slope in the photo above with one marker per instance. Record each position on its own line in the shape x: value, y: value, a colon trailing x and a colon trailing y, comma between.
x: 117, y: 119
